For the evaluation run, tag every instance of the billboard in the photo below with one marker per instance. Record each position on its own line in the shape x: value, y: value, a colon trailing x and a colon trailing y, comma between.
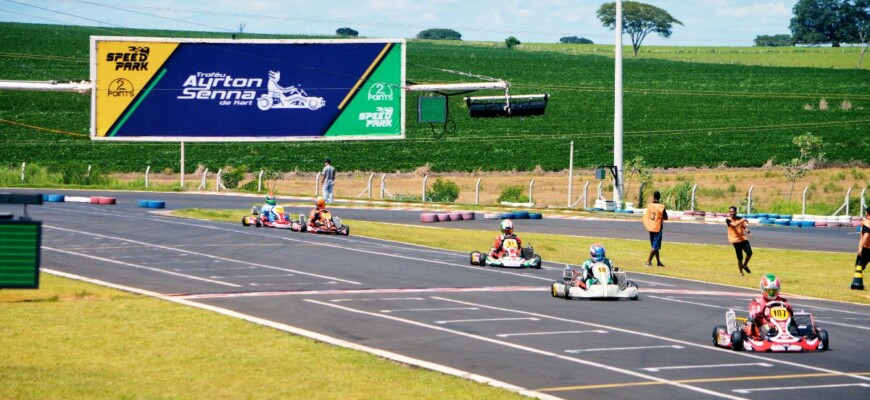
x: 157, y: 89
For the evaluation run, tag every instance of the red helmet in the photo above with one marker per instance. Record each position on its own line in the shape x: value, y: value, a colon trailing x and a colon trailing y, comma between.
x: 770, y: 286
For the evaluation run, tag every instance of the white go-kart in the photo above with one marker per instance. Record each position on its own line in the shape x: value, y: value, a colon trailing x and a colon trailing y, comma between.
x: 600, y: 288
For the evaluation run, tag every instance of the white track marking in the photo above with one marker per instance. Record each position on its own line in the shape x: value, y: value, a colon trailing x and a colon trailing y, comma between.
x: 577, y: 351
x: 745, y: 391
x: 652, y: 283
x: 485, y: 320
x: 206, y: 255
x: 250, y: 276
x: 431, y: 309
x: 292, y: 283
x: 657, y: 369
x: 126, y: 264
x: 504, y: 335
x: 214, y: 269
x: 664, y: 338
x: 825, y: 321
x: 529, y: 349
x: 795, y: 305
x: 380, y: 299
x: 322, y: 338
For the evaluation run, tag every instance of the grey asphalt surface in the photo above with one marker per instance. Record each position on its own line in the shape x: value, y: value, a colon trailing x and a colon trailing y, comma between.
x: 431, y: 305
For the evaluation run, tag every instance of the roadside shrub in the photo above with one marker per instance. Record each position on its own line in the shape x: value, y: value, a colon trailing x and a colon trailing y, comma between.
x: 443, y: 191
x: 678, y: 197
x: 249, y: 187
x: 77, y: 174
x: 406, y: 197
x: 232, y: 176
x: 513, y: 194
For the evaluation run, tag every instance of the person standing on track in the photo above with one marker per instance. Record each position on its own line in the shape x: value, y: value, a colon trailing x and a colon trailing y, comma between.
x: 327, y: 178
x: 738, y: 228
x: 653, y: 217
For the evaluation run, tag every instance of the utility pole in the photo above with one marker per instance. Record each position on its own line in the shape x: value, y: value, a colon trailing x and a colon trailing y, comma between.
x: 617, y: 110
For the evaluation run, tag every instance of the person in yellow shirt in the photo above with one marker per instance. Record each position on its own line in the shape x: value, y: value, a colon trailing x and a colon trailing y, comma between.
x: 653, y: 216
x: 738, y: 228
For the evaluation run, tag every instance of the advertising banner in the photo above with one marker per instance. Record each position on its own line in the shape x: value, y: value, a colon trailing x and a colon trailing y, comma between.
x: 156, y: 89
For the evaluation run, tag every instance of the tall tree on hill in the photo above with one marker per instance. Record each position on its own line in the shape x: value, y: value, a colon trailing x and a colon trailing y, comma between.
x: 439, y: 34
x: 638, y: 20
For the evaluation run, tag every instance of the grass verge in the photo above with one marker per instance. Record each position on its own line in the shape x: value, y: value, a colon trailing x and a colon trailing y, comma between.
x: 808, y: 273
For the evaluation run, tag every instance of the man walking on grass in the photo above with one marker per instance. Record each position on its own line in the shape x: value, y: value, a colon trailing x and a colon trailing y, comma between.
x: 653, y: 217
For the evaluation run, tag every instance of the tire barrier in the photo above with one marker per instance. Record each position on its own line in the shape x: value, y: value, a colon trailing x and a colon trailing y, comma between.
x: 508, y: 216
x: 142, y: 203
x: 77, y: 199
x: 107, y: 200
x: 456, y: 216
x: 428, y: 217
x: 54, y: 198
x: 536, y: 216
x: 468, y: 215
x: 156, y: 204
x: 491, y: 216
x: 521, y: 214
x: 442, y: 217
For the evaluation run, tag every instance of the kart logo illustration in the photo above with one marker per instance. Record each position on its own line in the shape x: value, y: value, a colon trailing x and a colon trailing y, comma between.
x: 121, y: 87
x: 286, y: 97
x: 382, y: 118
x: 380, y: 92
x: 135, y: 59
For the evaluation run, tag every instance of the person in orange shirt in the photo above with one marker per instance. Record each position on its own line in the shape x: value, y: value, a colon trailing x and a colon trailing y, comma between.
x: 653, y: 216
x: 738, y: 228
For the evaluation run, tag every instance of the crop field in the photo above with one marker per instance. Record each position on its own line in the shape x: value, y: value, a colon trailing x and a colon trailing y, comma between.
x: 676, y: 113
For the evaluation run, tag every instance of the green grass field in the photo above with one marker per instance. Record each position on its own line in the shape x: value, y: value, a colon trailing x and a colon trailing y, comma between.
x: 676, y: 113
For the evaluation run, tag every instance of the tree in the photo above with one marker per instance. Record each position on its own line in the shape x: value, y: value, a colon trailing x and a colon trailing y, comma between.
x: 439, y: 34
x: 773, y: 40
x: 511, y: 42
x: 575, y: 39
x: 637, y: 168
x: 810, y: 152
x: 346, y: 32
x: 638, y: 20
x: 830, y: 21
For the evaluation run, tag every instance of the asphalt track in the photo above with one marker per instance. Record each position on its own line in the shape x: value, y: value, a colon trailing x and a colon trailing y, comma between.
x: 429, y: 307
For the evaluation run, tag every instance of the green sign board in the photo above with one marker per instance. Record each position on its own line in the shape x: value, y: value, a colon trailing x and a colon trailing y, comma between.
x: 432, y: 109
x: 19, y: 254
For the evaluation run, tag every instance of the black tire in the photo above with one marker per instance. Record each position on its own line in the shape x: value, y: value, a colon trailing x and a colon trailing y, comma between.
x: 303, y: 228
x: 568, y: 292
x: 471, y: 258
x: 823, y: 336
x: 539, y: 262
x: 553, y: 289
x: 716, y: 333
x: 245, y: 221
x: 737, y: 340
x: 346, y: 230
x: 257, y: 223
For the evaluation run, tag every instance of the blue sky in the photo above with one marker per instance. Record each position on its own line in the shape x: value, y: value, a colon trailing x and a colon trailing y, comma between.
x: 706, y: 22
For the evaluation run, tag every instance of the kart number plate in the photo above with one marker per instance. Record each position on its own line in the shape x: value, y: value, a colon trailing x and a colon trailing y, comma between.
x: 510, y: 244
x: 779, y: 313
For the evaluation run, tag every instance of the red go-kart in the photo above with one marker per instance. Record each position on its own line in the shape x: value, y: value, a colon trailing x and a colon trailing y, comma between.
x: 786, y: 332
x: 328, y: 225
x: 282, y: 219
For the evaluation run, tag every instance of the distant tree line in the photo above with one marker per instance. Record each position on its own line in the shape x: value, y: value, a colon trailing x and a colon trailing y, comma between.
x: 774, y: 40
x: 439, y: 34
x: 346, y: 32
x: 575, y: 39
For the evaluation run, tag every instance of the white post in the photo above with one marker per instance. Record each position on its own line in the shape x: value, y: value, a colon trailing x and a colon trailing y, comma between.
x: 749, y: 200
x: 317, y: 185
x: 89, y: 170
x: 804, y: 208
x: 585, y: 193
x: 204, y: 175
x: 848, y: 192
x: 260, y: 181
x: 477, y: 191
x: 217, y: 180
x: 383, y: 185
x: 425, y: 178
x: 147, y: 172
x: 571, y: 175
x: 863, y: 204
x: 22, y: 171
x: 693, y: 197
x: 531, y: 186
x: 182, y: 165
x: 617, y: 109
x: 370, y: 184
x: 599, y: 190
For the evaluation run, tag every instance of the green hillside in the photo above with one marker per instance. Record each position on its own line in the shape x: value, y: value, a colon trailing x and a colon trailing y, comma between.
x: 676, y: 113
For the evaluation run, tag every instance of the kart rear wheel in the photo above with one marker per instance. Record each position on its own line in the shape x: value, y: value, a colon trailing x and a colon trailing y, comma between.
x: 257, y: 223
x: 716, y: 333
x: 346, y: 230
x: 537, y: 261
x: 823, y: 336
x: 737, y: 340
x: 245, y: 221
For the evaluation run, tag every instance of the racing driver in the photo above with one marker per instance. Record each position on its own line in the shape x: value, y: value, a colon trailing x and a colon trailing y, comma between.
x: 268, y: 209
x: 759, y: 312
x: 597, y: 255
x: 315, y: 217
x: 507, y: 232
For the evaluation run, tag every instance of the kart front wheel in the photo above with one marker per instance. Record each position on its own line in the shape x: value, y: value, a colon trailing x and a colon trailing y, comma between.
x: 716, y: 330
x: 537, y: 261
x: 346, y: 230
x: 245, y: 221
x: 737, y: 340
x: 257, y: 223
x: 823, y: 336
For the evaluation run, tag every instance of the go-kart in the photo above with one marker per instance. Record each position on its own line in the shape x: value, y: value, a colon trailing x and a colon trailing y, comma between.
x: 600, y: 288
x: 786, y: 332
x: 299, y: 99
x: 513, y: 257
x: 332, y: 225
x: 257, y: 219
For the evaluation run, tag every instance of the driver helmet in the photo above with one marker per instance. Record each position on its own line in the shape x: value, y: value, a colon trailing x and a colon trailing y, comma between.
x: 507, y: 227
x: 596, y: 251
x: 770, y: 286
x: 320, y: 202
x: 270, y: 199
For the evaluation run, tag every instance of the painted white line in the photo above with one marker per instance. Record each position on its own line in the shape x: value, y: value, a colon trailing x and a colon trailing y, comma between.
x: 213, y: 269
x: 292, y: 283
x: 745, y: 391
x: 528, y: 349
x: 485, y: 320
x: 663, y: 338
x: 322, y: 338
x: 380, y: 299
x: 250, y: 276
x: 431, y: 309
x: 824, y: 321
x: 366, y: 291
x: 126, y: 264
x: 656, y: 369
x: 504, y: 335
x: 577, y: 351
x: 652, y: 283
x: 797, y: 305
x: 204, y: 255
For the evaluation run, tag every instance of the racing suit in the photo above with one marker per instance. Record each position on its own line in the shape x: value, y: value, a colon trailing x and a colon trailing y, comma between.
x: 586, y: 276
x: 315, y: 218
x: 267, y: 211
x: 759, y: 313
x: 498, y: 249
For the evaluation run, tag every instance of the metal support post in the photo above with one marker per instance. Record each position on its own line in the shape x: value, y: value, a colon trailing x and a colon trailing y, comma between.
x: 383, y: 185
x: 804, y: 207
x: 749, y: 200
x: 586, y: 195
x: 370, y: 185
x: 204, y: 175
x: 477, y: 191
x: 425, y: 179
x: 863, y: 204
x: 531, y: 187
x: 182, y: 165
x: 317, y: 185
x: 692, y: 208
x: 147, y: 172
x: 89, y: 170
x: 599, y: 190
x: 22, y: 171
x: 571, y: 175
x: 217, y: 180
x: 848, y: 192
x: 260, y: 181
